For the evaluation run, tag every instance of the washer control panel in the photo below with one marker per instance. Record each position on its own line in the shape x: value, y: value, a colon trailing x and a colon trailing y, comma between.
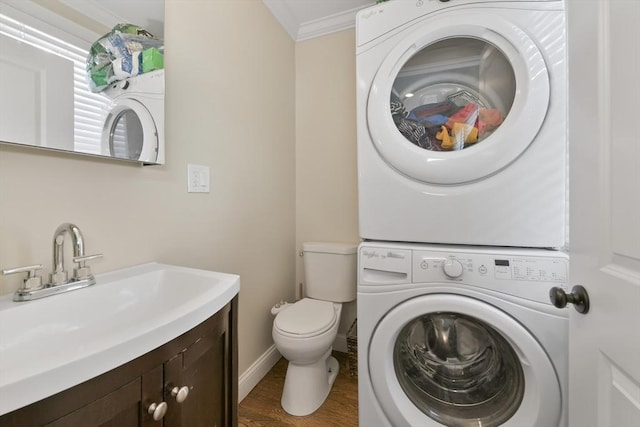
x: 525, y: 273
x: 528, y: 269
x: 530, y: 277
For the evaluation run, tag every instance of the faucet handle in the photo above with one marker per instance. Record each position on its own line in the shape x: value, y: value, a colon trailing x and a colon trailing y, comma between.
x: 83, y: 271
x: 82, y: 259
x: 33, y: 280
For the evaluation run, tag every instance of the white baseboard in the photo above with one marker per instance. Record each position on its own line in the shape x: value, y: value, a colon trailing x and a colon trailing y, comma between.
x: 252, y: 376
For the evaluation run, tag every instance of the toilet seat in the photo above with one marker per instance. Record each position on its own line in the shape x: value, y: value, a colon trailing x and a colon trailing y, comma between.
x: 306, y: 318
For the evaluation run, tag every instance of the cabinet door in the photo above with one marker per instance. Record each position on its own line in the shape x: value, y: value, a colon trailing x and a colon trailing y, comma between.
x: 118, y: 408
x: 203, y: 368
x: 151, y: 393
x: 125, y: 407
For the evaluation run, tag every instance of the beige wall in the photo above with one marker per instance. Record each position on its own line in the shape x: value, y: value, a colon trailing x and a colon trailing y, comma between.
x: 229, y: 105
x: 234, y: 112
x: 326, y: 176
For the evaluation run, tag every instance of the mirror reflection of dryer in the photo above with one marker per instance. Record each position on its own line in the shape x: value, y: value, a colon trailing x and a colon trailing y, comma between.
x: 134, y: 127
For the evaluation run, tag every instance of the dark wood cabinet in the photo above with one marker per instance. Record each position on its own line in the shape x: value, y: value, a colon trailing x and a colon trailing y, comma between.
x: 202, y: 361
x: 199, y: 367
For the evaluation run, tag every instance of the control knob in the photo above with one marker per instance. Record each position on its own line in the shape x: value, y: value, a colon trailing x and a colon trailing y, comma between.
x: 453, y: 268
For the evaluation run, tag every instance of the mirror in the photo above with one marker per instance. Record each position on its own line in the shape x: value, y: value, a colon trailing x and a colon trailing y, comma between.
x: 47, y: 99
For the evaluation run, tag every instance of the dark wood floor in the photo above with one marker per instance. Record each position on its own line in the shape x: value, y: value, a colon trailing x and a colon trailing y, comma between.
x: 262, y: 406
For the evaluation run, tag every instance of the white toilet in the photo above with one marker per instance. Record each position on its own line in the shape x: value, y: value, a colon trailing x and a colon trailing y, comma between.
x: 304, y: 331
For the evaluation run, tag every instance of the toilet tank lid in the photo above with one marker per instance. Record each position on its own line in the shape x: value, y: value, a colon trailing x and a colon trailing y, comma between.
x: 330, y: 247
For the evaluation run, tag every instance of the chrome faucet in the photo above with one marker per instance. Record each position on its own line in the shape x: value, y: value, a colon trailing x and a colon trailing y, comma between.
x: 59, y: 275
x: 60, y: 282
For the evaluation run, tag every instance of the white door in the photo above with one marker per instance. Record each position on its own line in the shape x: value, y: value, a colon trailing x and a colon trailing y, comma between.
x: 38, y: 88
x: 604, y: 95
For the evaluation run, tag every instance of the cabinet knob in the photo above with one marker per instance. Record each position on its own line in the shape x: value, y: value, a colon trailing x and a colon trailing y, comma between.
x: 157, y: 410
x: 180, y: 393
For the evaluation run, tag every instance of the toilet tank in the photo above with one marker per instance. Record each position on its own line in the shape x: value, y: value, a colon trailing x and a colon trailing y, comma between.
x: 330, y: 271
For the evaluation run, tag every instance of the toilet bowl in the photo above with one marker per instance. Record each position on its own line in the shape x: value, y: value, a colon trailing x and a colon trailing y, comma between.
x: 304, y: 333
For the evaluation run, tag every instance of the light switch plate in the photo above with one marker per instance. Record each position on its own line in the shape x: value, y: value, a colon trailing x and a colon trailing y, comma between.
x: 197, y: 178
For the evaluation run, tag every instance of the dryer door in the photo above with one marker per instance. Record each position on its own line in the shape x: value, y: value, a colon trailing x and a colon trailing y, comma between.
x: 452, y: 360
x: 458, y: 99
x: 129, y: 132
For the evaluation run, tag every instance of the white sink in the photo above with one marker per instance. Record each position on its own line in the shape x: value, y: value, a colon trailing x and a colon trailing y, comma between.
x: 54, y: 343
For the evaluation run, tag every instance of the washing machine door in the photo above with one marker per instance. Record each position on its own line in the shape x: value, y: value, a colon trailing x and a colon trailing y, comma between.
x: 130, y: 132
x: 458, y: 99
x: 446, y: 359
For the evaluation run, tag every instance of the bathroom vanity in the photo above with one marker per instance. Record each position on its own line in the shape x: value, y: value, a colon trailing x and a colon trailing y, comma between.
x: 122, y: 369
x: 202, y: 359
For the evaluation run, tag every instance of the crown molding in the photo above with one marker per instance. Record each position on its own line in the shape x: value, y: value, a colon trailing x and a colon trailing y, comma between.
x: 300, y: 31
x: 95, y: 11
x: 327, y: 25
x: 284, y: 16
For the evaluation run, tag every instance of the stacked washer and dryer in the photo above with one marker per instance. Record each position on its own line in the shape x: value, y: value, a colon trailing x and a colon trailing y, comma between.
x: 462, y: 181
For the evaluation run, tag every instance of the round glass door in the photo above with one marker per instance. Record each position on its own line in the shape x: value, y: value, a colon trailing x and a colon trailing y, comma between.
x: 456, y: 368
x: 130, y: 132
x: 455, y: 103
x: 452, y: 94
x: 454, y: 360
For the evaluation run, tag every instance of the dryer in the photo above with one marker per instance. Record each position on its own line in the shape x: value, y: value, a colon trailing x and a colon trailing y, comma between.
x: 134, y: 125
x: 461, y: 111
x: 461, y: 336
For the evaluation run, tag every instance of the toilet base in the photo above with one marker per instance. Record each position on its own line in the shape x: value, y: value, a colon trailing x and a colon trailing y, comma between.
x: 306, y: 387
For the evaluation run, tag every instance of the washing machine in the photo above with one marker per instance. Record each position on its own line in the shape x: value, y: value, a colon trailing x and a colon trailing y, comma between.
x: 461, y: 336
x: 134, y: 125
x: 462, y: 129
